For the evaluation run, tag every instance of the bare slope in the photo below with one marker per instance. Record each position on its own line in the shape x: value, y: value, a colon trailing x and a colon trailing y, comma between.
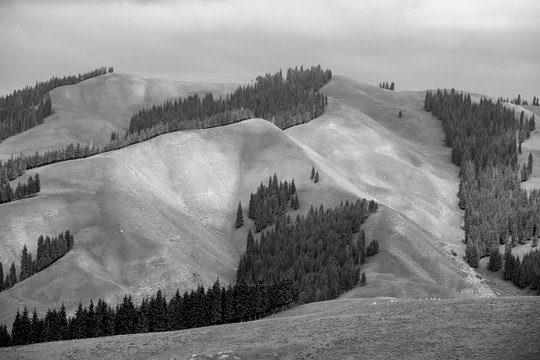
x: 497, y: 328
x: 160, y: 214
x: 88, y: 112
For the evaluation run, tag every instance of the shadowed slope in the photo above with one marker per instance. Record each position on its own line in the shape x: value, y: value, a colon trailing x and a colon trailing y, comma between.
x: 88, y: 112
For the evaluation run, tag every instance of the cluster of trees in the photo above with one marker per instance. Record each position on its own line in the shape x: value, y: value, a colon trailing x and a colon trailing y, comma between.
x: 48, y: 251
x: 385, y: 85
x: 319, y: 252
x: 200, y: 307
x: 284, y: 101
x: 16, y: 166
x: 314, y: 175
x: 271, y: 201
x: 483, y: 140
x: 24, y: 190
x: 523, y: 272
x: 536, y: 101
x: 26, y: 108
x: 164, y: 127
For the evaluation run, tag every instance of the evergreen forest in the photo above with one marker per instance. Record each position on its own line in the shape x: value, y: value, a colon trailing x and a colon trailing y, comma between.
x: 486, y: 139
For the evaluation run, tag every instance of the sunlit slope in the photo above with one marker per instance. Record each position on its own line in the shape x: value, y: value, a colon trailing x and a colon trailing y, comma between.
x: 88, y: 112
x: 158, y: 214
x: 401, y: 163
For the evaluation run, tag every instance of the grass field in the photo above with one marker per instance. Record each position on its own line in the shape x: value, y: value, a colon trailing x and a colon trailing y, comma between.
x: 379, y: 328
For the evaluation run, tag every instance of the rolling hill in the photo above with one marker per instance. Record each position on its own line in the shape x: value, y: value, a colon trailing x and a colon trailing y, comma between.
x: 160, y: 214
x: 88, y: 112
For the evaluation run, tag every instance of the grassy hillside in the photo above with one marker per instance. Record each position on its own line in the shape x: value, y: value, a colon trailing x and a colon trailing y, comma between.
x: 495, y: 328
x: 90, y: 111
x: 160, y: 214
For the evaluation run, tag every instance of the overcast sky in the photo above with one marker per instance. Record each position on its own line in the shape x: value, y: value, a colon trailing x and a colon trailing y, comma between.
x: 486, y: 46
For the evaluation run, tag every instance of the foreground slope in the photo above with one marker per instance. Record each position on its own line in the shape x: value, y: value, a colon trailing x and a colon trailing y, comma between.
x: 160, y: 214
x: 88, y: 112
x: 496, y: 328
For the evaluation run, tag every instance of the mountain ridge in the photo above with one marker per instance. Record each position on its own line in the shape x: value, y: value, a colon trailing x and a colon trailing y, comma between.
x: 160, y: 214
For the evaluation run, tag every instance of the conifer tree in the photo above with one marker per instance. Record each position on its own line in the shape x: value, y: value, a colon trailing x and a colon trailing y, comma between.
x: 37, y: 182
x: 495, y: 260
x: 239, y: 216
x: 530, y: 164
x: 12, y: 274
x: 509, y: 266
x: 5, y: 338
x: 316, y: 178
x: 400, y: 115
x: 363, y: 280
x: 312, y: 176
x: 1, y: 277
x: 472, y: 255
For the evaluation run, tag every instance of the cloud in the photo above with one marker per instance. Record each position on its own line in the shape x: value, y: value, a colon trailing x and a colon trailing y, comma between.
x: 413, y: 42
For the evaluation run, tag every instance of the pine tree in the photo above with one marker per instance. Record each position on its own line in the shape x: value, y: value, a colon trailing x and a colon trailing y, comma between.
x: 400, y: 115
x: 12, y: 275
x: 239, y: 216
x: 363, y: 280
x: 495, y: 260
x: 472, y: 255
x: 316, y: 178
x: 37, y: 182
x: 293, y: 187
x: 509, y: 266
x: 312, y: 176
x: 1, y: 277
x: 5, y: 339
x: 25, y: 264
x: 530, y: 164
x: 392, y: 86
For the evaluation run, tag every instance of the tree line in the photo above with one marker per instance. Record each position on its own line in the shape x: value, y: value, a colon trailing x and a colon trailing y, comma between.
x: 486, y: 139
x: 200, y: 307
x: 24, y: 190
x: 287, y: 101
x: 26, y: 108
x: 384, y: 85
x: 48, y: 251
